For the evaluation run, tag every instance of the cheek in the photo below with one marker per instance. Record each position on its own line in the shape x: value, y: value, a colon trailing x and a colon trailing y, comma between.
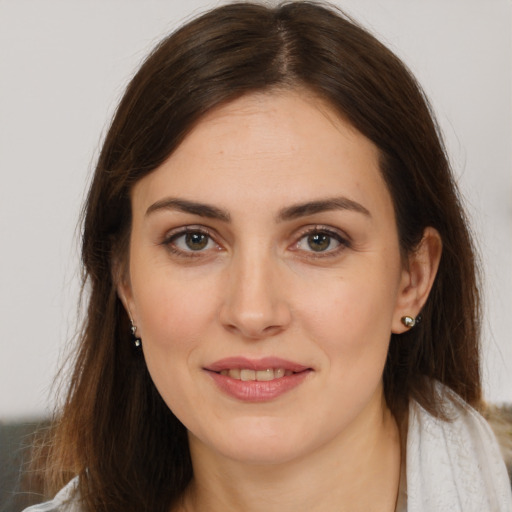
x: 173, y: 314
x: 174, y: 317
x: 170, y: 307
x: 350, y: 318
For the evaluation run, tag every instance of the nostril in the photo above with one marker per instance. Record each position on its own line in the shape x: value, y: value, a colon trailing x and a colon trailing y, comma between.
x: 254, y: 309
x: 273, y: 329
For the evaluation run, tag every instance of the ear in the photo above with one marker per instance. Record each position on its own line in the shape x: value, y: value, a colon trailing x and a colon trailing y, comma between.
x: 417, y: 278
x: 124, y: 293
x: 122, y: 282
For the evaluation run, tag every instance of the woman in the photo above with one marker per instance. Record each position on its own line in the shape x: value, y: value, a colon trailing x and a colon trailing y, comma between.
x: 283, y: 310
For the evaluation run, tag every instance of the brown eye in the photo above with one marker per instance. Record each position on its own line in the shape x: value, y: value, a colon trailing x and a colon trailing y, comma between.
x: 196, y: 241
x: 319, y: 242
x: 190, y: 241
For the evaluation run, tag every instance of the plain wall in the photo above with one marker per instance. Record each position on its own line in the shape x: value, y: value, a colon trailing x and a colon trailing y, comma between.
x: 63, y: 67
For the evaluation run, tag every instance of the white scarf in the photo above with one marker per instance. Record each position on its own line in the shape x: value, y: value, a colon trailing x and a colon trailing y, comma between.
x: 454, y: 466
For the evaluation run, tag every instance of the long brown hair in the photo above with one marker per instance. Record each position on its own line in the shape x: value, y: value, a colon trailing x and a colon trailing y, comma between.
x: 114, y: 431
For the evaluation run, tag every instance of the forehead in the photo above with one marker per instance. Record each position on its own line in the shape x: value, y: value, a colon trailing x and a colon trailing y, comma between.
x: 267, y: 149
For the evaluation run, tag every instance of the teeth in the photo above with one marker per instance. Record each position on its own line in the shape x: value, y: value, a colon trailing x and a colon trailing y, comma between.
x: 234, y: 373
x: 245, y: 374
x: 265, y: 375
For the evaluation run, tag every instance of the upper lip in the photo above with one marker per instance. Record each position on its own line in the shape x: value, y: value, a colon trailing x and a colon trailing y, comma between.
x: 263, y: 363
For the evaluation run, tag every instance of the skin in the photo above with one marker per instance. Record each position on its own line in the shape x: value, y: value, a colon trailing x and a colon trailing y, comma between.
x: 261, y: 287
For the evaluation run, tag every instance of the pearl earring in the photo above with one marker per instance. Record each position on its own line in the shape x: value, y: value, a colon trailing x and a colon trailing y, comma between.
x: 408, y: 321
x: 137, y: 342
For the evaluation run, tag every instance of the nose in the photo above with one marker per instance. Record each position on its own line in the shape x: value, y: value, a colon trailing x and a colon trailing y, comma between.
x: 255, y: 305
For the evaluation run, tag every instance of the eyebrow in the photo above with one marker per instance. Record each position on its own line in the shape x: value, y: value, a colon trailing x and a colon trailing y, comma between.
x: 286, y: 214
x: 323, y: 205
x: 182, y: 205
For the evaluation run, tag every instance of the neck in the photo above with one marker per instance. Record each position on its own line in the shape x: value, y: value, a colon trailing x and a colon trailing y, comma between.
x: 357, y: 471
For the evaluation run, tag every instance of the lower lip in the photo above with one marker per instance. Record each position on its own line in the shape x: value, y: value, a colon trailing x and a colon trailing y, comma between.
x: 258, y: 391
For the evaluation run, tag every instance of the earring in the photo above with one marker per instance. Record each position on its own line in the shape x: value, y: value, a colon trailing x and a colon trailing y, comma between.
x: 408, y: 321
x: 137, y: 342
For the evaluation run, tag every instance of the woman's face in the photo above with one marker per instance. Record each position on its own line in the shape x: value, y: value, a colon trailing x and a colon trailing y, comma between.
x: 265, y: 278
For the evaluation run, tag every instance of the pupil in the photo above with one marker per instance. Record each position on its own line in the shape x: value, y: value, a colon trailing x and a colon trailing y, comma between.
x: 196, y: 241
x: 319, y: 242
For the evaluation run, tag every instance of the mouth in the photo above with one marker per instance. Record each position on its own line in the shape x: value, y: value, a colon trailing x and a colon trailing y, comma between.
x: 257, y: 380
x: 263, y: 369
x: 247, y: 374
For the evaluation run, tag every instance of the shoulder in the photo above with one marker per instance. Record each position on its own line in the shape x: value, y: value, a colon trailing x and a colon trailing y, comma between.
x: 64, y: 501
x: 454, y: 465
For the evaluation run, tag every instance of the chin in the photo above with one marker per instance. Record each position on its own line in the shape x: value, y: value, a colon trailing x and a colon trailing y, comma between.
x: 259, y: 442
x: 264, y: 453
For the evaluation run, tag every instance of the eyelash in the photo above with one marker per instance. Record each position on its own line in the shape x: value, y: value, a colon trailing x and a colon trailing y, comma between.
x: 170, y: 241
x: 333, y: 235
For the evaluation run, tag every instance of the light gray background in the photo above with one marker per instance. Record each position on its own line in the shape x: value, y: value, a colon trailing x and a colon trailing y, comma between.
x: 63, y: 66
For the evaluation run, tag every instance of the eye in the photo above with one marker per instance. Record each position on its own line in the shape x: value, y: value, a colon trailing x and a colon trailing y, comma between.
x: 190, y: 241
x: 320, y: 241
x: 195, y: 241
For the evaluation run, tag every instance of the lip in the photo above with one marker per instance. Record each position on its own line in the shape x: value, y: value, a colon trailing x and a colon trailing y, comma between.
x: 257, y: 391
x: 255, y: 364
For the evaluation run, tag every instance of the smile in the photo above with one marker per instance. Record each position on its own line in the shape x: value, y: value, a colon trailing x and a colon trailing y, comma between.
x: 257, y: 380
x: 247, y: 374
